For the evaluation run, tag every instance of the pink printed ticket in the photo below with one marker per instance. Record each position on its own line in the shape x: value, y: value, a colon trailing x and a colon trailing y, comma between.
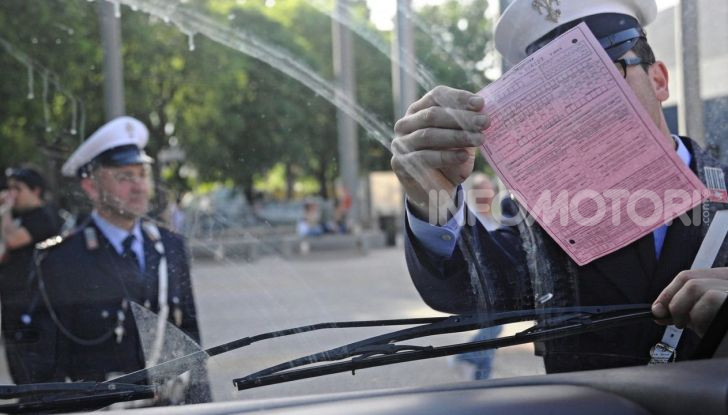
x: 577, y: 149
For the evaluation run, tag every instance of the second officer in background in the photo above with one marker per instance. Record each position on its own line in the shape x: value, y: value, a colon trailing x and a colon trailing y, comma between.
x: 115, y: 258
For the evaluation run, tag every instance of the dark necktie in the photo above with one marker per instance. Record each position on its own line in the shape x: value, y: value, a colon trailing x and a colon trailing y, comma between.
x: 128, y: 254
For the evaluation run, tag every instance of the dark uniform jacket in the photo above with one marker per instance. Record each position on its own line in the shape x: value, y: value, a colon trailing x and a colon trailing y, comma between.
x: 89, y: 288
x: 16, y: 291
x: 18, y: 294
x: 512, y: 267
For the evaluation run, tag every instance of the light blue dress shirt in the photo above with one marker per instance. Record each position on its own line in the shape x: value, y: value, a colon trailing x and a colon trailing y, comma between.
x: 116, y: 236
x: 441, y: 240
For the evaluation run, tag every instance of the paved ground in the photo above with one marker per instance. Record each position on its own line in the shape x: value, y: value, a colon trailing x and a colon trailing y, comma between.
x: 242, y: 299
x: 237, y: 299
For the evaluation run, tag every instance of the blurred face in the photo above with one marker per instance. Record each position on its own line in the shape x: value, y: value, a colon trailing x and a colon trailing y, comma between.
x: 121, y: 192
x: 24, y: 197
x: 483, y: 193
x: 312, y: 212
x: 651, y: 88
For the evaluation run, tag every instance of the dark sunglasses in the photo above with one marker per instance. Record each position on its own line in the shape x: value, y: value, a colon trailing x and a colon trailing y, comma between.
x: 623, y: 63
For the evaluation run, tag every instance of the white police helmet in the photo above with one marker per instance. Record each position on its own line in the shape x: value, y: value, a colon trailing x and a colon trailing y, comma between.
x: 119, y: 142
x: 527, y: 25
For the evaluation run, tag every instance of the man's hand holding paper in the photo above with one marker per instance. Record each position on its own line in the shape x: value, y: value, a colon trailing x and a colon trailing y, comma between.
x: 436, y: 144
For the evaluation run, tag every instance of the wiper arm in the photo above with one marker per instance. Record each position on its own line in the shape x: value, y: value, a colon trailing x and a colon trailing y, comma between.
x: 379, y: 350
x: 64, y: 396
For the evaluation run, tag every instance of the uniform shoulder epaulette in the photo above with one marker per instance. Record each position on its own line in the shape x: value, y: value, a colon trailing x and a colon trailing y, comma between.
x: 49, y: 243
x: 57, y: 240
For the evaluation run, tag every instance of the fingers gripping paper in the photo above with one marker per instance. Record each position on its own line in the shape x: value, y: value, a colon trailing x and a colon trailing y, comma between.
x: 570, y: 139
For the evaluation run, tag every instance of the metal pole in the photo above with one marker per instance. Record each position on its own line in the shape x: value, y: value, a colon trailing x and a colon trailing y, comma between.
x: 690, y: 105
x: 502, y: 6
x: 404, y: 86
x: 113, y: 67
x: 343, y: 54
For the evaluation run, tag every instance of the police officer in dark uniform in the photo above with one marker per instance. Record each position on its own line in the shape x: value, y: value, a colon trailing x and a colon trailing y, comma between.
x: 90, y: 279
x: 522, y: 266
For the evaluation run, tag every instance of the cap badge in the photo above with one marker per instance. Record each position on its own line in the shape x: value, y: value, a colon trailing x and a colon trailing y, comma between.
x: 130, y: 129
x: 549, y: 7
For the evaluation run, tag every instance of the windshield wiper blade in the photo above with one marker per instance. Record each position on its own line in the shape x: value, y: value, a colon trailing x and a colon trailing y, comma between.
x: 379, y: 350
x: 87, y: 388
x: 431, y: 326
x: 177, y: 366
x: 75, y: 396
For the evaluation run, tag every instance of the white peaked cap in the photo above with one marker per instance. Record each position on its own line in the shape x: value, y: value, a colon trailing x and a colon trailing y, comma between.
x: 526, y: 21
x: 121, y: 132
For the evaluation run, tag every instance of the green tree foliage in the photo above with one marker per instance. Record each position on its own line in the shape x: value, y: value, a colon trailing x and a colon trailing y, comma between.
x: 234, y: 116
x: 454, y: 46
x: 454, y: 42
x: 35, y: 122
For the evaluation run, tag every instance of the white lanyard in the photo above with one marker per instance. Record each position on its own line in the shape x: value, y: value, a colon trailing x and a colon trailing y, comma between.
x: 156, y: 238
x: 665, y: 350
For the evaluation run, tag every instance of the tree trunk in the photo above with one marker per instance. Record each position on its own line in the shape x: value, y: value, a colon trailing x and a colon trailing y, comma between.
x: 290, y: 180
x: 248, y: 188
x: 322, y: 179
x: 159, y: 201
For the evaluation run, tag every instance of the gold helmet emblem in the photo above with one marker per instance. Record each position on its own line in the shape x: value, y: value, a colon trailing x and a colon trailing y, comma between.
x: 549, y: 8
x: 130, y: 129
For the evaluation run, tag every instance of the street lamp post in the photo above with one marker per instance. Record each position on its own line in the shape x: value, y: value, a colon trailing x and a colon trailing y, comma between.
x: 403, y: 84
x: 113, y: 70
x: 691, y: 121
x: 343, y: 54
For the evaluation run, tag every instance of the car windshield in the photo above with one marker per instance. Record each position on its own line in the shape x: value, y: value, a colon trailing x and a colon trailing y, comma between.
x: 219, y: 169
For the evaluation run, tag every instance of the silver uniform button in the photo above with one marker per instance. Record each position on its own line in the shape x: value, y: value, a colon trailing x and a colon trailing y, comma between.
x: 446, y: 237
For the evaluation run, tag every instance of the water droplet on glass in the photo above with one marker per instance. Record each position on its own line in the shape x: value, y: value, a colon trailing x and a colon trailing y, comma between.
x: 34, y: 40
x: 46, y: 107
x: 74, y: 114
x: 191, y: 41
x: 31, y: 95
x: 58, y: 41
x: 545, y: 298
x: 463, y: 24
x: 231, y: 16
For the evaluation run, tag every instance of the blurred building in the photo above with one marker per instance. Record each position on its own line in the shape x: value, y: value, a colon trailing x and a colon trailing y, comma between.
x: 713, y: 43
